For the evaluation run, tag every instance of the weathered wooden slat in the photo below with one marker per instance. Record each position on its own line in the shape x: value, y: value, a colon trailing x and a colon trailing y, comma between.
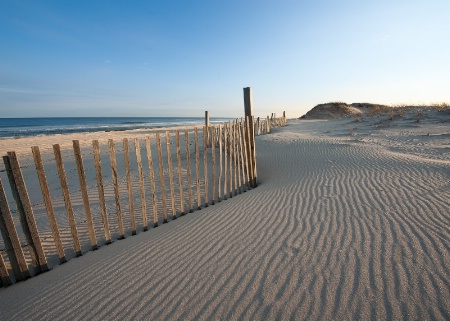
x: 11, y: 239
x: 188, y: 170
x: 258, y: 126
x: 237, y: 160
x: 26, y: 213
x: 161, y: 174
x: 141, y: 184
x: 84, y: 193
x: 197, y: 170
x: 180, y: 172
x: 115, y: 177
x: 219, y: 183
x: 126, y: 155
x: 241, y: 163
x: 205, y: 164
x: 255, y: 174
x: 249, y: 151
x: 4, y: 275
x: 213, y: 170
x: 231, y: 142
x: 237, y: 172
x: 152, y: 180
x: 244, y: 145
x: 21, y: 213
x: 101, y: 192
x: 66, y: 196
x: 235, y: 165
x: 207, y: 118
x: 48, y: 203
x: 171, y: 186
x: 225, y: 161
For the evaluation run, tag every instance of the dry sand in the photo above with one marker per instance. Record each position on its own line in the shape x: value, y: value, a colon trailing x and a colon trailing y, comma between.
x: 22, y: 146
x: 350, y: 221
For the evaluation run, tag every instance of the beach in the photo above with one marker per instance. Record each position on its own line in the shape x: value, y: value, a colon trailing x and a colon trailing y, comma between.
x: 350, y: 221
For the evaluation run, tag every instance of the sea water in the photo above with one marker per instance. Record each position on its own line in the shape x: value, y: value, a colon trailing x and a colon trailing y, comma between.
x: 26, y: 127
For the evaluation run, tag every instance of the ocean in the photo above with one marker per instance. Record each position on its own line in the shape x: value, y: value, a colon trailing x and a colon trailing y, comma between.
x: 26, y: 127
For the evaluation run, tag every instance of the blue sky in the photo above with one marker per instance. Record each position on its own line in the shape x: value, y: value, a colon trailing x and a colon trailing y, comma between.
x: 180, y: 58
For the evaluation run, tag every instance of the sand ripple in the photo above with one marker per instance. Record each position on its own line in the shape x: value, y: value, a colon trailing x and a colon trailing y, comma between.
x: 334, y: 231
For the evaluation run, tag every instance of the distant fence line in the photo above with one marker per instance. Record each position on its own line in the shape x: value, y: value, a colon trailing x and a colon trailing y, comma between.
x: 176, y: 186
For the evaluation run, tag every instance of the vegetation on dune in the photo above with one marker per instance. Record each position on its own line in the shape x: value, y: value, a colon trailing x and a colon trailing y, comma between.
x: 339, y: 109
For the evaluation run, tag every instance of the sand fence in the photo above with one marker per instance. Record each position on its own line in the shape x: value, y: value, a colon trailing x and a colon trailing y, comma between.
x: 68, y: 201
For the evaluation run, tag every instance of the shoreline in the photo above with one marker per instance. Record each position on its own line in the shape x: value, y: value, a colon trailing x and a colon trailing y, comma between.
x: 22, y: 145
x: 17, y: 128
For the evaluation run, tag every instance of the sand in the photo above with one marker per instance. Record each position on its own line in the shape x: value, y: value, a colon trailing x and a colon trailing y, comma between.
x: 350, y: 221
x: 22, y: 145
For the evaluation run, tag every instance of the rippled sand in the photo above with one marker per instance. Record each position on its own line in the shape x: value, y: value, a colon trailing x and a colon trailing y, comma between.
x: 343, y: 226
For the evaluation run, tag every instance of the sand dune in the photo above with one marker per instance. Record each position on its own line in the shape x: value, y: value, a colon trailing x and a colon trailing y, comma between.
x: 343, y: 226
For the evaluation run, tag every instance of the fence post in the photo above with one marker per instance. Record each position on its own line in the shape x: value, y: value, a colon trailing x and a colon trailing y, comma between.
x: 213, y: 170
x: 101, y: 191
x: 225, y: 161
x: 241, y: 155
x: 180, y: 173
x: 152, y: 179
x: 137, y: 148
x: 197, y: 170
x: 66, y: 196
x: 188, y: 171
x: 220, y: 165
x: 171, y: 186
x: 25, y: 211
x: 250, y: 136
x: 205, y: 163
x: 230, y: 143
x: 126, y: 155
x: 4, y: 276
x: 207, y: 119
x: 258, y: 127
x: 237, y: 172
x: 255, y: 173
x: 246, y: 163
x: 249, y: 151
x: 48, y: 202
x: 112, y: 157
x: 11, y: 240
x: 161, y: 175
x: 207, y: 125
x: 84, y: 193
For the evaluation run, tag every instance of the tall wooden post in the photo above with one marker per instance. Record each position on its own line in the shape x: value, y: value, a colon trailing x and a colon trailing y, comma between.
x: 284, y: 118
x: 258, y: 127
x: 208, y: 143
x: 248, y: 116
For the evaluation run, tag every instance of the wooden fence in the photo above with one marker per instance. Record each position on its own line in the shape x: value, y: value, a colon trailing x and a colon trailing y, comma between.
x: 70, y: 201
x: 263, y: 126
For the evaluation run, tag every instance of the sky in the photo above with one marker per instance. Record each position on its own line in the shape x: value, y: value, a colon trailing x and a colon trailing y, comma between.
x: 181, y: 58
